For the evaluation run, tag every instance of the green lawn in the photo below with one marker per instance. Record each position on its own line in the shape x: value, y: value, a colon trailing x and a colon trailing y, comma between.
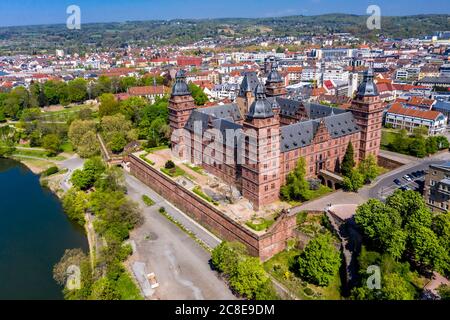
x: 147, y: 200
x: 198, y: 191
x: 322, y: 191
x: 36, y: 153
x: 260, y: 224
x: 199, y: 170
x: 387, y: 137
x: 282, y: 268
x: 144, y: 157
x: 154, y: 149
x: 127, y: 288
x: 175, y: 172
x: 67, y: 147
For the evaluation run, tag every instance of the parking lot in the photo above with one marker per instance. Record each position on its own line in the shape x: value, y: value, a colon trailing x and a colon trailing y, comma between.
x: 413, y: 180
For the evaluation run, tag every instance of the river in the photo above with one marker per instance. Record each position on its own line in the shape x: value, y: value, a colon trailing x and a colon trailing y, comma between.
x: 34, y: 233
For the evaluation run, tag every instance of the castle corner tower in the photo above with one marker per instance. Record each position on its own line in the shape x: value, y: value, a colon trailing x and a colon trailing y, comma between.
x: 181, y: 105
x: 368, y: 112
x: 261, y: 169
x: 275, y: 85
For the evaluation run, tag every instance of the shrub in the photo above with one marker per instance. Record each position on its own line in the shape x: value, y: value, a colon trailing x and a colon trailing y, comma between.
x: 169, y: 165
x: 50, y: 171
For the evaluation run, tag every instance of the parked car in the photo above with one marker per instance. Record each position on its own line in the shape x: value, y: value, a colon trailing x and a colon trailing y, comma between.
x: 407, y: 178
x: 398, y: 182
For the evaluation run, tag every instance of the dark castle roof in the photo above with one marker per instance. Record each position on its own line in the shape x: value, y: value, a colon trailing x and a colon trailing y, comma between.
x: 301, y: 134
x: 367, y: 88
x: 261, y: 108
x: 228, y: 112
x: 180, y: 88
x: 249, y: 83
x: 313, y: 110
x: 274, y: 76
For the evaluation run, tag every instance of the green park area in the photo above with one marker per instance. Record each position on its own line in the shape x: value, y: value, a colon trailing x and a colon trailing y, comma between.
x: 417, y: 143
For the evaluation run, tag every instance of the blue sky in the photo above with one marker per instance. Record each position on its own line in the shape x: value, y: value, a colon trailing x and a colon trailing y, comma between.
x: 26, y: 12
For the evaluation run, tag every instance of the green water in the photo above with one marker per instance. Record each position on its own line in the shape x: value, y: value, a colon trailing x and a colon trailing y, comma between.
x: 34, y: 233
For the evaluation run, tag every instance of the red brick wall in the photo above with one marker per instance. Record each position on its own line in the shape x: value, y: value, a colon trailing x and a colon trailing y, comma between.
x: 264, y: 246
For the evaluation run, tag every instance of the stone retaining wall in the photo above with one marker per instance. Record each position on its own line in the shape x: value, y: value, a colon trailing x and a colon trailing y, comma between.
x: 265, y: 245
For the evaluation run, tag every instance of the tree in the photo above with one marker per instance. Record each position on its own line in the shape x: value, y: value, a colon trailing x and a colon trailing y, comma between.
x: 401, y: 142
x: 297, y: 187
x: 348, y: 163
x: 441, y: 226
x: 108, y: 105
x: 319, y: 262
x: 131, y: 108
x: 200, y: 98
x: 382, y: 224
x: 369, y: 168
x: 85, y: 179
x: 117, y: 143
x: 226, y: 255
x: 102, y: 86
x: 82, y: 135
x: 417, y: 147
x: 395, y: 287
x: 444, y: 292
x: 75, y: 257
x: 411, y: 207
x: 75, y: 204
x: 78, y: 128
x: 113, y: 125
x: 249, y: 277
x: 88, y: 146
x: 427, y: 250
x: 104, y: 289
x: 354, y: 181
x: 442, y: 142
x: 51, y: 143
x: 77, y: 90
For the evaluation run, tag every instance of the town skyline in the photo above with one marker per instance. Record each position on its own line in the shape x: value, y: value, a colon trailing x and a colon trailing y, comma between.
x: 52, y: 12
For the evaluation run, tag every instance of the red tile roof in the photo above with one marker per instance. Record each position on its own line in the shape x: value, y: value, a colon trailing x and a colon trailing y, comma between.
x: 148, y: 90
x: 398, y: 108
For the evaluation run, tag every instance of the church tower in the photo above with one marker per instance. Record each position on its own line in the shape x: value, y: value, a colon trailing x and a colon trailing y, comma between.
x: 261, y: 167
x: 275, y: 85
x: 181, y: 105
x: 368, y: 112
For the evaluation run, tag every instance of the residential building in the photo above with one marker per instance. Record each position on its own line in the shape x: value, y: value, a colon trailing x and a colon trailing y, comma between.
x: 437, y: 187
x: 400, y: 116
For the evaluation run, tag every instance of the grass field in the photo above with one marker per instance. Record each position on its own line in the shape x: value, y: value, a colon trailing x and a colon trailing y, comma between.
x: 387, y: 137
x: 36, y: 154
x: 127, y: 288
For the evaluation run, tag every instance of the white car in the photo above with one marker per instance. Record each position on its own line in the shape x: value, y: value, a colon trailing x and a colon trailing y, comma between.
x: 407, y: 178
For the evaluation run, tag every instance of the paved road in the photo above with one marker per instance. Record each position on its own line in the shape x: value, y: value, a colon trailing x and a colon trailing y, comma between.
x: 386, y: 186
x: 180, y: 264
x: 379, y: 189
x: 71, y: 165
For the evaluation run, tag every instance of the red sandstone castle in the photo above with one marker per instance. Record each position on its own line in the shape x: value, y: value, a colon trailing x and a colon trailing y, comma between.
x: 271, y: 133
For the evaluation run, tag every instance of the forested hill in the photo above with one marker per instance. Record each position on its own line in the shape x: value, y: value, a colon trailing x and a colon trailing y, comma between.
x: 112, y: 35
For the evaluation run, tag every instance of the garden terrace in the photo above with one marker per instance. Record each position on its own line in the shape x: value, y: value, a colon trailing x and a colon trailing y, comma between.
x: 215, y: 191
